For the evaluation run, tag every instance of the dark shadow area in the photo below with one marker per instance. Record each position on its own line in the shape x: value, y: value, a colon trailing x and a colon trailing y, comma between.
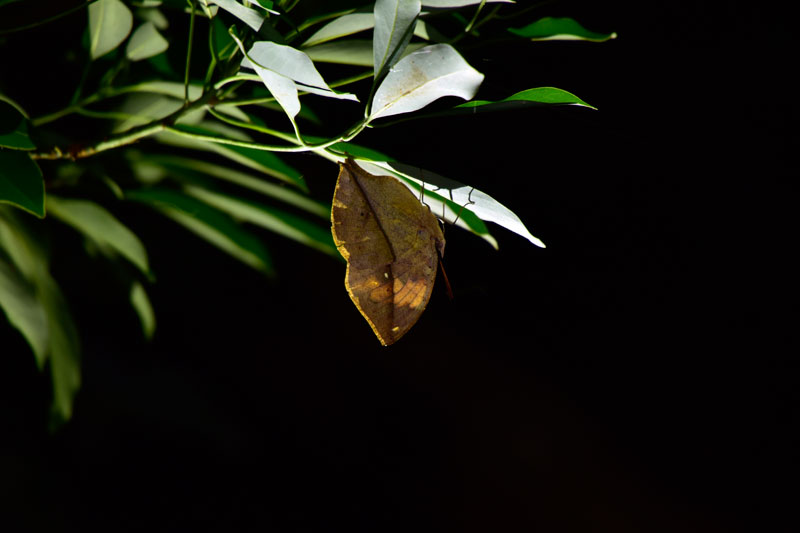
x: 634, y: 376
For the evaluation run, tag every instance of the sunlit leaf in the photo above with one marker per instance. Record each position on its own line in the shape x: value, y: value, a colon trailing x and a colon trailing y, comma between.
x: 559, y: 29
x: 394, y: 24
x: 21, y: 182
x: 110, y: 22
x: 421, y: 77
x: 184, y: 167
x: 96, y: 223
x: 145, y: 42
x: 285, y: 70
x: 64, y: 348
x: 460, y: 3
x: 350, y: 24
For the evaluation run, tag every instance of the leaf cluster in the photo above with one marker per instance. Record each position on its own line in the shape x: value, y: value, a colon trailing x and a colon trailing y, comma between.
x: 189, y: 107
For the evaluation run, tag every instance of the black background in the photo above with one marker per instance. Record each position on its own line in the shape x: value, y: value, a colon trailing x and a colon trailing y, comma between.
x: 633, y: 376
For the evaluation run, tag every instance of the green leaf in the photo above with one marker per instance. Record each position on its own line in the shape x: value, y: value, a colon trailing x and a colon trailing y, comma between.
x: 110, y: 22
x: 350, y: 24
x: 21, y: 182
x: 96, y: 223
x: 539, y: 95
x: 356, y: 52
x: 208, y: 223
x: 394, y: 24
x: 13, y: 128
x: 145, y: 42
x: 260, y: 160
x: 64, y: 348
x: 423, y: 76
x: 275, y: 220
x: 345, y: 25
x: 141, y: 304
x: 23, y: 310
x: 559, y: 29
x: 184, y: 167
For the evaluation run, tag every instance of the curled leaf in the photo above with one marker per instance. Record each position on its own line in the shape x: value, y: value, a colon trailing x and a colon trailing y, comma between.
x: 391, y: 243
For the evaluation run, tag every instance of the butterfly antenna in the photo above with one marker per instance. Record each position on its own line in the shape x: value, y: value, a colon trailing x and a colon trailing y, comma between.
x: 469, y: 202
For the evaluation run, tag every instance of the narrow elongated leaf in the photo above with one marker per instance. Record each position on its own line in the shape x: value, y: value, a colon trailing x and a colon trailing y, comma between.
x: 23, y: 310
x: 539, y: 95
x: 460, y: 3
x: 209, y: 224
x: 183, y: 167
x: 145, y: 42
x: 13, y: 128
x: 560, y: 29
x: 353, y: 23
x: 96, y: 223
x: 284, y: 70
x: 349, y: 52
x: 421, y: 77
x: 345, y: 25
x: 259, y: 160
x: 251, y: 17
x: 270, y: 218
x: 60, y: 336
x: 21, y: 182
x: 110, y: 22
x: 141, y: 304
x: 394, y: 23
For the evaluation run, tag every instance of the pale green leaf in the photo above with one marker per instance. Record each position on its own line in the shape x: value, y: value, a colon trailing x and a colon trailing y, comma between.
x: 459, y: 3
x: 349, y: 52
x: 270, y: 218
x: 185, y: 167
x: 96, y: 223
x: 285, y: 70
x: 394, y: 24
x: 110, y: 22
x: 144, y: 310
x: 251, y: 17
x: 145, y: 42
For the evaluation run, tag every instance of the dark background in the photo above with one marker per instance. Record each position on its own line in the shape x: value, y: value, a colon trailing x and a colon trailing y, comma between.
x: 633, y: 376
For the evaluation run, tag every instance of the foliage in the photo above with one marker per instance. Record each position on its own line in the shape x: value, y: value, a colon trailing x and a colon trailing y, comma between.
x: 201, y: 142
